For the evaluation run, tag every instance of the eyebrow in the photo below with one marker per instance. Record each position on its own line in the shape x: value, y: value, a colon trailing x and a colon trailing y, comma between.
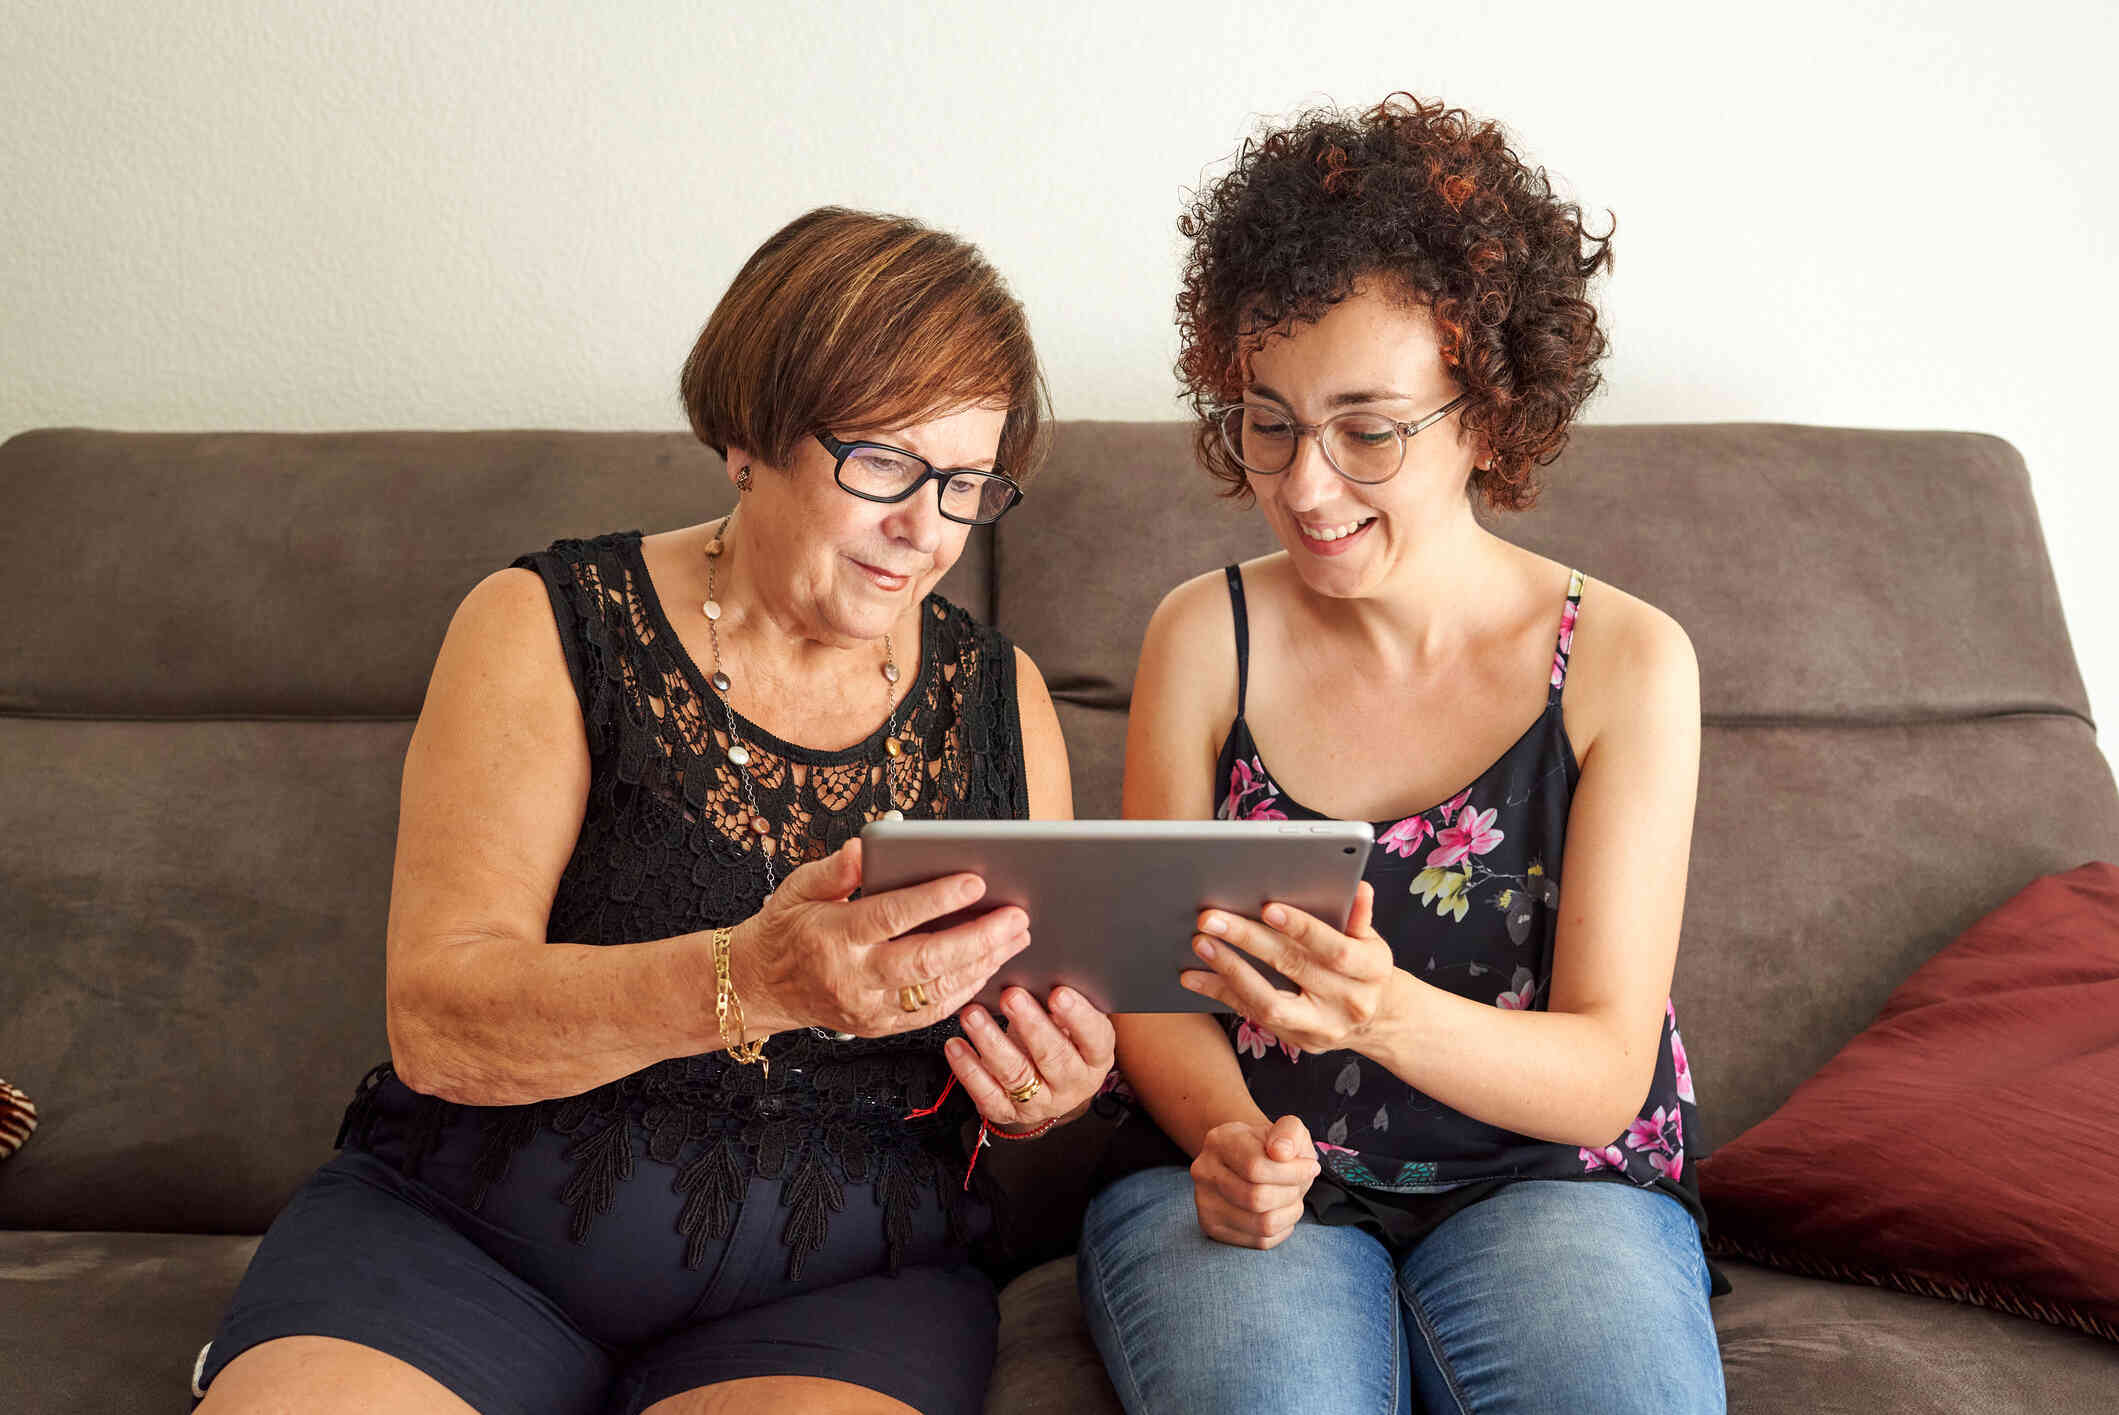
x: 1348, y: 399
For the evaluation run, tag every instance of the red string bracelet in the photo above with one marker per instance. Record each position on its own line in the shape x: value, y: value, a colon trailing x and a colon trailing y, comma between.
x: 986, y: 1132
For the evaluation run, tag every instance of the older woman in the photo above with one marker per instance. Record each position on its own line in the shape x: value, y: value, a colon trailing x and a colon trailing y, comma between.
x: 1452, y: 1160
x: 667, y: 1124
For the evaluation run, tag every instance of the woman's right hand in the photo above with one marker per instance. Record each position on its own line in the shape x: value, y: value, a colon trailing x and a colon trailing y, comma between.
x: 1250, y: 1179
x: 815, y: 957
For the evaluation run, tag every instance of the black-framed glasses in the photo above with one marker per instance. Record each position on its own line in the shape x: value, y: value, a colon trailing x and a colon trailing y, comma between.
x: 876, y: 471
x: 1361, y: 446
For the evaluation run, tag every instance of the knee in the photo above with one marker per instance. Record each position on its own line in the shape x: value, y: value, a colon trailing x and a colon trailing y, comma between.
x: 1152, y: 1204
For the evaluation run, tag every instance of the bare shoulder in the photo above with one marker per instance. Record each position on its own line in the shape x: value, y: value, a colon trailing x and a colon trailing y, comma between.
x: 502, y: 658
x: 1630, y: 664
x: 506, y: 615
x: 1191, y: 637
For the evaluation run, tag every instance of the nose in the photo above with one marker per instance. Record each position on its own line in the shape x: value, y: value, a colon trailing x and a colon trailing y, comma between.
x: 917, y: 521
x: 1309, y: 479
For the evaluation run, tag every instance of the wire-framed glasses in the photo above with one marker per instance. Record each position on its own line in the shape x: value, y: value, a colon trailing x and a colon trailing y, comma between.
x: 1362, y: 446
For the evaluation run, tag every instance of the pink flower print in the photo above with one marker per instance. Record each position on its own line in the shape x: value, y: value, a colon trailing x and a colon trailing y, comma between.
x: 1449, y: 808
x: 1473, y: 834
x: 1610, y: 1157
x: 1663, y: 1130
x: 1326, y: 1147
x: 1521, y: 989
x: 1567, y: 643
x: 1243, y: 782
x: 1671, y: 1167
x: 1255, y: 1039
x: 1115, y: 1083
x: 1405, y: 837
x: 1677, y: 1058
x: 1248, y: 779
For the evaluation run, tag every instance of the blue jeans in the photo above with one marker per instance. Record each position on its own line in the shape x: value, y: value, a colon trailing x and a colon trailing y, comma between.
x: 1553, y: 1295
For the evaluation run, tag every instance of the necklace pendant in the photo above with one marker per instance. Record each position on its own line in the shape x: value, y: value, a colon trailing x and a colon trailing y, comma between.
x: 893, y: 814
x: 712, y: 609
x: 890, y: 672
x: 720, y: 681
x: 738, y: 754
x: 892, y: 747
x: 761, y: 825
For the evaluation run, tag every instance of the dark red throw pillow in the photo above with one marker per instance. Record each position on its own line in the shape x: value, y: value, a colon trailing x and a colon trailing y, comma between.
x: 1966, y: 1145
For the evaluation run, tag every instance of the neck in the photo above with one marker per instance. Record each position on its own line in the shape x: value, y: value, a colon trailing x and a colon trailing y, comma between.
x: 1444, y: 593
x: 765, y: 622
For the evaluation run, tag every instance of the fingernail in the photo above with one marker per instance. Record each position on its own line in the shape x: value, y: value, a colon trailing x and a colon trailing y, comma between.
x: 1015, y: 999
x: 1275, y: 915
x: 975, y: 1016
x: 1203, y: 948
x: 1065, y: 999
x: 1213, y: 924
x: 971, y: 889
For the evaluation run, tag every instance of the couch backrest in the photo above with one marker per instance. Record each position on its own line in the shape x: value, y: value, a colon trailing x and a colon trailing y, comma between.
x: 219, y: 642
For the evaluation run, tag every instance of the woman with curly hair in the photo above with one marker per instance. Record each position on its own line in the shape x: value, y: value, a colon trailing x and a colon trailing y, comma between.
x: 1447, y: 1168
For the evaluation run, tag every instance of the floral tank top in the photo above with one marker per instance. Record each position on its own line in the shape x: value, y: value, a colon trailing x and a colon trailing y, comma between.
x: 1468, y: 894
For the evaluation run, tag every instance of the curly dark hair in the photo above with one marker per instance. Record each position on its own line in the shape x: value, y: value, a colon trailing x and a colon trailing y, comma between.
x: 1434, y: 201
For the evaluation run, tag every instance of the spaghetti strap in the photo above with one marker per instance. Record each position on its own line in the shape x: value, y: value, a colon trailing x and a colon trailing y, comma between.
x: 1566, y: 645
x: 1243, y: 633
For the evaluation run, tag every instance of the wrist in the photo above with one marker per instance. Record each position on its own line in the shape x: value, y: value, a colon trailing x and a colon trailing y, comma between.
x: 1388, y: 1038
x: 763, y: 1013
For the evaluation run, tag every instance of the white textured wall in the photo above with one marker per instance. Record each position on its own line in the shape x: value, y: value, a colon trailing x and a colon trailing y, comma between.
x: 333, y: 215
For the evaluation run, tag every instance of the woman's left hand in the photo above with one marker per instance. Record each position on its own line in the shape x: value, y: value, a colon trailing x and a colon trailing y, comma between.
x: 1055, y: 1061
x: 1343, y: 978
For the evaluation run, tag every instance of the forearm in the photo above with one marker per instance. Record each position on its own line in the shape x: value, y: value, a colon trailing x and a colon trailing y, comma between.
x: 503, y: 1021
x: 1183, y: 1070
x: 1560, y: 1076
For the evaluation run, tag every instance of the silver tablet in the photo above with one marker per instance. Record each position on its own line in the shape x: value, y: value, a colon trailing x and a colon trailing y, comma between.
x: 1113, y: 904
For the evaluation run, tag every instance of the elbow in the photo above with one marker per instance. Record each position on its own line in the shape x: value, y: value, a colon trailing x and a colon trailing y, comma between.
x: 1615, y: 1106
x: 416, y: 1054
x: 411, y: 1060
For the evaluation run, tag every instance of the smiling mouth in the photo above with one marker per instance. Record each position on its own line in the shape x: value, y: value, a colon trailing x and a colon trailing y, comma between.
x: 1332, y: 533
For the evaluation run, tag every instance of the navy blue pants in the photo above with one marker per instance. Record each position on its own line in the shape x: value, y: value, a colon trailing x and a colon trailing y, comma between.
x: 505, y: 1310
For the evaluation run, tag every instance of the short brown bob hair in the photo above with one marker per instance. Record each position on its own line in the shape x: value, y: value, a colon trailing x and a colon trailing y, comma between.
x: 846, y: 319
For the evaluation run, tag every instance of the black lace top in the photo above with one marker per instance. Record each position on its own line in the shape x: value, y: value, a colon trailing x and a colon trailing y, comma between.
x: 667, y: 847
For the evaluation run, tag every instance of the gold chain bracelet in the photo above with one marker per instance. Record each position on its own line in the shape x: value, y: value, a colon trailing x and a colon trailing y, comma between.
x: 728, y: 1010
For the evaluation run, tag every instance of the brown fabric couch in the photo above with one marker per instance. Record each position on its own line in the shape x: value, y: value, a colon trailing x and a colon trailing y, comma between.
x: 216, y: 644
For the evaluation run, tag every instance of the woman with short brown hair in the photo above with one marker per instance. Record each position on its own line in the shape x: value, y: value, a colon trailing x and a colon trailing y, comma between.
x: 672, y: 1122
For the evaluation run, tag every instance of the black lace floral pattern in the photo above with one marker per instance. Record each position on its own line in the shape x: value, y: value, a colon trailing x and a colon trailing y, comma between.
x: 668, y: 847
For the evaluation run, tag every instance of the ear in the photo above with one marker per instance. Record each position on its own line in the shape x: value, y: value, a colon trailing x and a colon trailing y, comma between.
x: 739, y: 466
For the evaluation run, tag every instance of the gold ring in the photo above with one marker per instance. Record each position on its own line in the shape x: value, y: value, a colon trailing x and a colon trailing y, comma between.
x: 1028, y: 1089
x: 913, y: 998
